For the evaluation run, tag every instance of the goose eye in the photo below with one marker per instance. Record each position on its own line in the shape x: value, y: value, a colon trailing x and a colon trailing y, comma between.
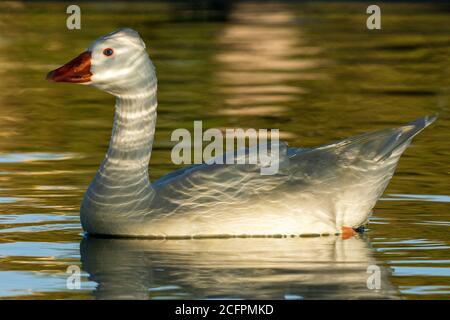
x: 108, y: 52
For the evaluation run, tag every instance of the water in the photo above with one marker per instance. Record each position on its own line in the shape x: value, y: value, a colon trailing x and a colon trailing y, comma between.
x: 312, y: 70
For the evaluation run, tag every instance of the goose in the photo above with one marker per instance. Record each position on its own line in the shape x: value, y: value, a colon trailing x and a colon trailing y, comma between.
x: 327, y: 190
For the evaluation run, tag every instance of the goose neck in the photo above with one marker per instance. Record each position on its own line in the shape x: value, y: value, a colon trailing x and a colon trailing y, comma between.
x: 133, y: 130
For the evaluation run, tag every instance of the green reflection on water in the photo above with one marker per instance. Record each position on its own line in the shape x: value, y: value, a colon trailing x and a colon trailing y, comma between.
x: 312, y: 70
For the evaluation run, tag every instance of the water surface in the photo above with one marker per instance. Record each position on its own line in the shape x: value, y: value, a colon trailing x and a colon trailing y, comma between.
x: 312, y: 70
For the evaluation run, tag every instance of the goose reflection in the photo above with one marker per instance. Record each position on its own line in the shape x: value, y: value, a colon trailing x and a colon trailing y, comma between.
x: 265, y: 268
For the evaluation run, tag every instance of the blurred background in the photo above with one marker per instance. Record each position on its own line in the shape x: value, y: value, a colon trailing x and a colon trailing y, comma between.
x: 311, y: 69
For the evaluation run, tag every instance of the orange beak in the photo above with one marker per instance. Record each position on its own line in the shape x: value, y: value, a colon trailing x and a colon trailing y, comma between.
x: 77, y: 70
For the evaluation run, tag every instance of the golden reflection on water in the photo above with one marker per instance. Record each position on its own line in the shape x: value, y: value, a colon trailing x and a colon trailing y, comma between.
x: 311, y: 69
x: 259, y: 58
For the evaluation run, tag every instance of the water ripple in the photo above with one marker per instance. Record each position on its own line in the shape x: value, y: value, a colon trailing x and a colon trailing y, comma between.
x: 33, y: 218
x: 10, y: 199
x: 34, y: 156
x: 39, y: 249
x: 417, y: 197
x: 421, y: 271
x: 40, y: 228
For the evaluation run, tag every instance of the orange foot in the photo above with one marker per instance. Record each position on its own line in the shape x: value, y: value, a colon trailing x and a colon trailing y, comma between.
x: 347, y: 232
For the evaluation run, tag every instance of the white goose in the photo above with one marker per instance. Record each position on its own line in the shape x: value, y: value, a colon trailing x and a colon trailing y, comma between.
x: 330, y: 189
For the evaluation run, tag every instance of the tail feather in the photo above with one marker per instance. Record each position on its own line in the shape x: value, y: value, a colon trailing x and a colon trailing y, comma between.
x: 378, y: 146
x: 404, y: 136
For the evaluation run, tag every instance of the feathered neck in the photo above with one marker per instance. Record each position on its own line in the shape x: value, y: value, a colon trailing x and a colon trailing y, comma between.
x: 122, y: 182
x: 133, y: 130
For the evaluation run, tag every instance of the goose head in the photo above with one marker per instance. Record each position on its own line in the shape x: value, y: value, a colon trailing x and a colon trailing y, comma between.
x: 116, y: 63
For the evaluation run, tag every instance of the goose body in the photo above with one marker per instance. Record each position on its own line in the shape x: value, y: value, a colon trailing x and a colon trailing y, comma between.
x: 322, y: 190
